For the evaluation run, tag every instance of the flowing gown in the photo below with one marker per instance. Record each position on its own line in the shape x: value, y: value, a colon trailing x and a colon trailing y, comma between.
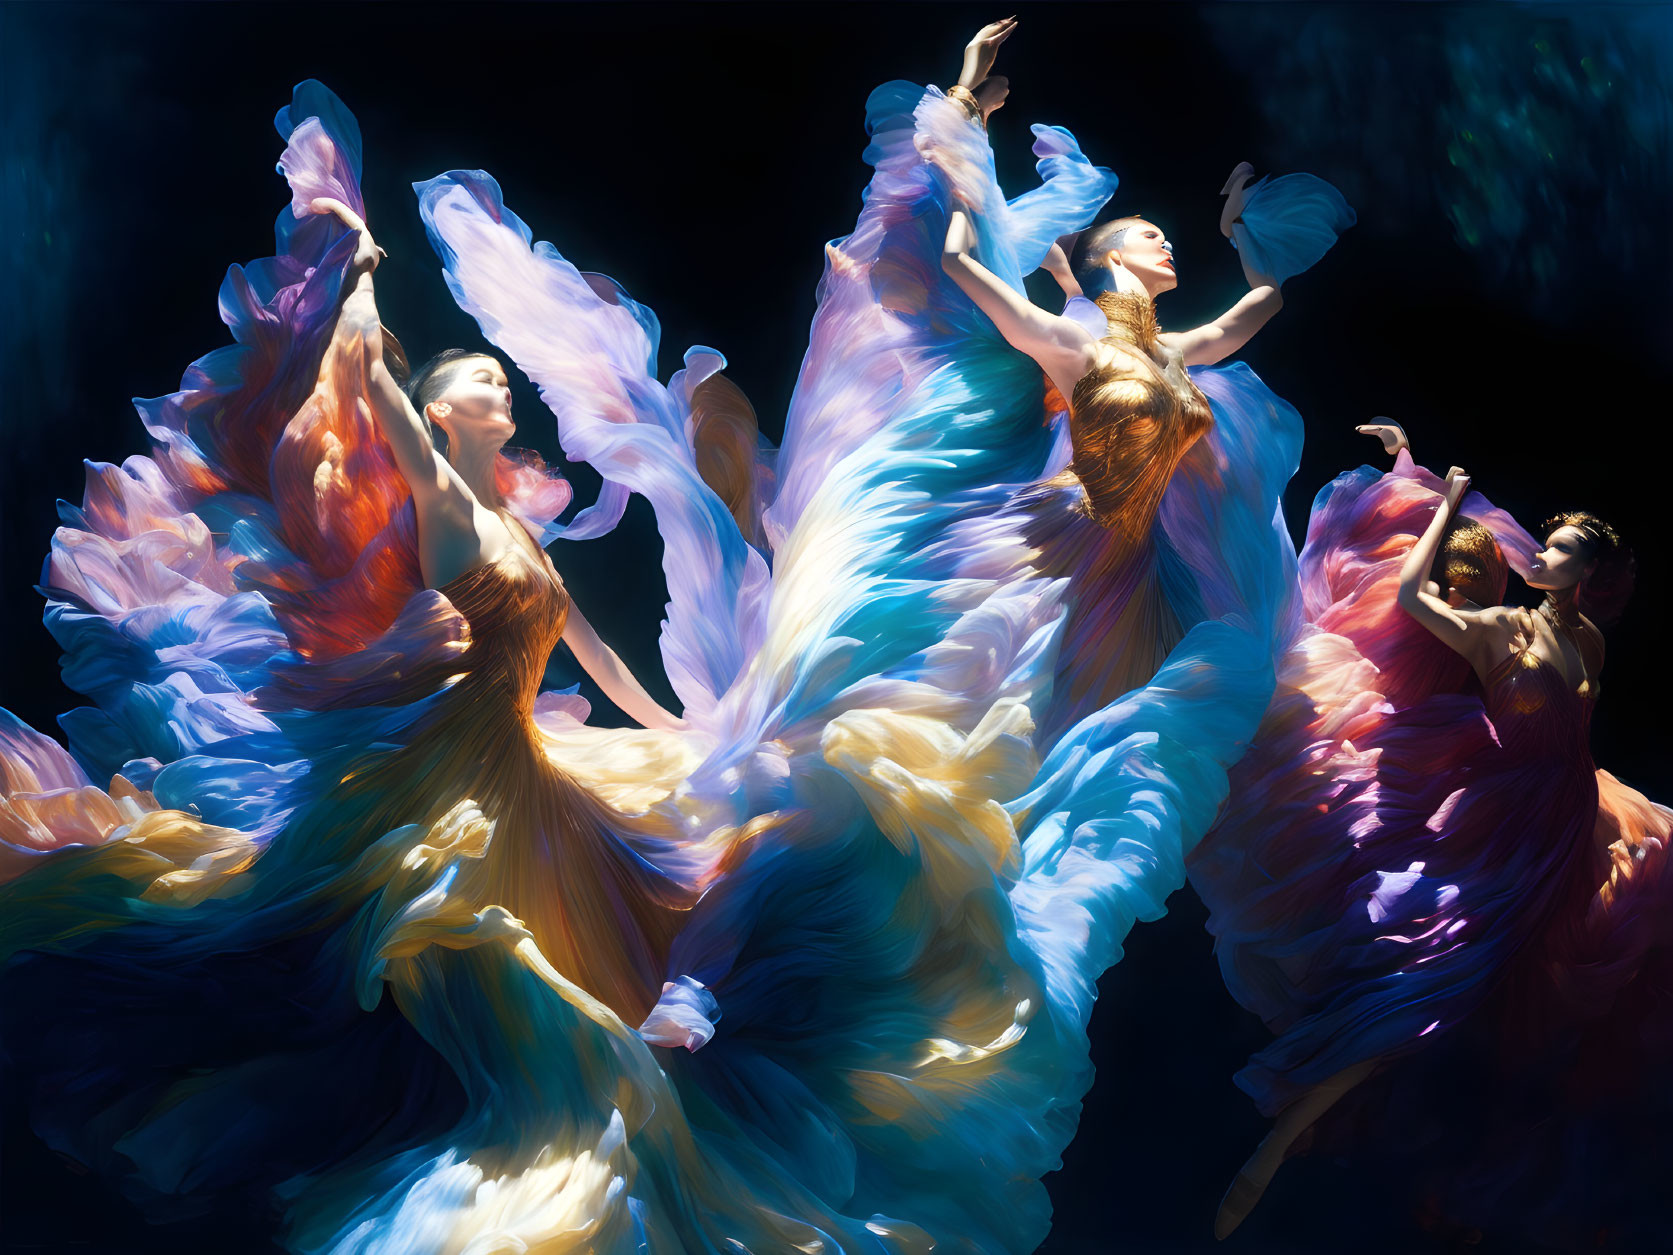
x: 1420, y: 870
x: 366, y: 924
x: 362, y: 925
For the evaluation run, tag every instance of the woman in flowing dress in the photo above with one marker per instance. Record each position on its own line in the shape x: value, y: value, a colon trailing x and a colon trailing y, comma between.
x: 1422, y: 875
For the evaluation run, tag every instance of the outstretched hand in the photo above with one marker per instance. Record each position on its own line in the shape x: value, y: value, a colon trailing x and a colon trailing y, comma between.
x: 981, y: 52
x: 367, y: 254
x: 1389, y: 432
x: 1233, y: 192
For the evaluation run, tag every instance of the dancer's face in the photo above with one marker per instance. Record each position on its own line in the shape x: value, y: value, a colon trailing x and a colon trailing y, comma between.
x: 1145, y: 251
x: 1564, y: 561
x: 475, y: 408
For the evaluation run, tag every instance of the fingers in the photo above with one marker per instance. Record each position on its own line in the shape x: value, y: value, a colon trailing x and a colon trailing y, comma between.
x: 1389, y: 432
x: 1242, y: 174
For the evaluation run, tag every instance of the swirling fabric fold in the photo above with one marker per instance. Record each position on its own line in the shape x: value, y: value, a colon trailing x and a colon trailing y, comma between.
x: 592, y: 351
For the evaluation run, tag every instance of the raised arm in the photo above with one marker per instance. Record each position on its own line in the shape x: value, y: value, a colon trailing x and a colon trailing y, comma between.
x: 611, y: 674
x: 1064, y: 349
x: 455, y: 531
x: 1392, y: 435
x: 360, y: 330
x: 1215, y: 341
x: 1468, y: 632
x: 1056, y: 265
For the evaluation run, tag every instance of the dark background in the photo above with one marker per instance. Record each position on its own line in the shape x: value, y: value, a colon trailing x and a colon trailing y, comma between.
x: 1506, y: 295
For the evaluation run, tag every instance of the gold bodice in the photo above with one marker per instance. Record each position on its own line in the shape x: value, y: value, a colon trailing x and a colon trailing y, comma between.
x: 1132, y: 418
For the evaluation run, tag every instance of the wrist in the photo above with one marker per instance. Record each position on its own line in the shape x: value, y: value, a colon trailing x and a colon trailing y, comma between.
x: 962, y: 95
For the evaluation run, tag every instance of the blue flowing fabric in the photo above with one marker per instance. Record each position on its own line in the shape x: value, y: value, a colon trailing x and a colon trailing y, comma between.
x: 1127, y: 791
x: 1292, y: 221
x: 877, y: 1034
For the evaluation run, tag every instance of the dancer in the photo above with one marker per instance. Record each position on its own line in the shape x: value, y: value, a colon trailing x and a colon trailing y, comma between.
x: 335, y: 779
x: 1134, y: 412
x: 332, y: 769
x: 1420, y: 859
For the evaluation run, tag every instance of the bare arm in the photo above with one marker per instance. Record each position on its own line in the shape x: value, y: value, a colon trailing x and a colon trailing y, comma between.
x: 456, y: 532
x: 1217, y: 340
x: 611, y: 674
x: 981, y: 52
x: 1389, y: 432
x: 1056, y: 265
x: 359, y: 331
x: 1464, y: 631
x: 1063, y: 348
x: 359, y: 328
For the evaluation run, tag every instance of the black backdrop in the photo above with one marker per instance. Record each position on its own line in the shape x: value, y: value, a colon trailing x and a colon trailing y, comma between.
x: 1506, y: 295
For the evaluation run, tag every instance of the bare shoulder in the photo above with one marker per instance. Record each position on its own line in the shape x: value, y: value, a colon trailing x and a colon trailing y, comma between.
x: 1498, y: 626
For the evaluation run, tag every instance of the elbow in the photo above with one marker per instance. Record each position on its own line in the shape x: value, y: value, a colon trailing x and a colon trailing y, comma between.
x: 951, y: 260
x: 1409, y: 599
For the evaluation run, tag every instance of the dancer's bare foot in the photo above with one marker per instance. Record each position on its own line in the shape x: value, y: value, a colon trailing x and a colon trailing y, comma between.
x: 1292, y: 1131
x: 1249, y: 1185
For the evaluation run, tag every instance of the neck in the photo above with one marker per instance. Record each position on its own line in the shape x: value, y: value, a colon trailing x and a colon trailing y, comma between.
x: 1565, y: 603
x: 476, y: 467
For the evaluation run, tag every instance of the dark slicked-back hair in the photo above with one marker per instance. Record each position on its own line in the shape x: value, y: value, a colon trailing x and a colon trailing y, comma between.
x: 430, y: 380
x: 1602, y: 595
x: 1093, y: 246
